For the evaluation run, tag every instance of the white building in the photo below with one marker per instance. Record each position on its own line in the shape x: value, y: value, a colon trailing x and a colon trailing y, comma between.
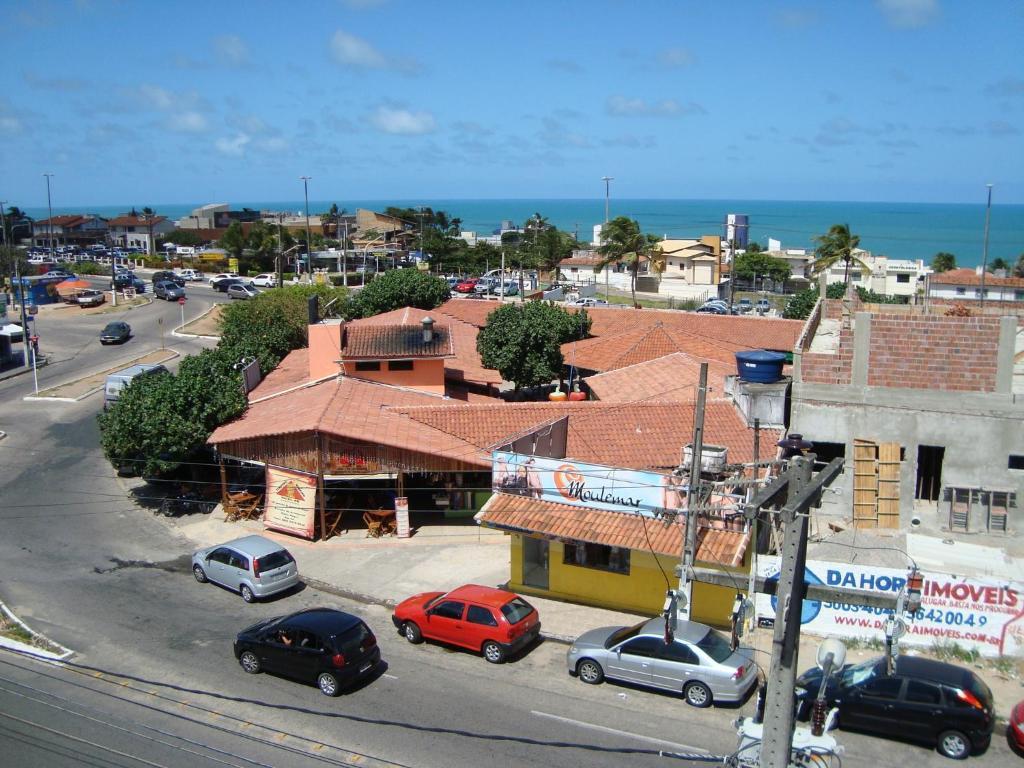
x: 888, y: 277
x: 965, y: 284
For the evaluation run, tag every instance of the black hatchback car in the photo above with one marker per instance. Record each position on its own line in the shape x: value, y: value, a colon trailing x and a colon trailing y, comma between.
x: 925, y: 701
x: 324, y: 646
x: 114, y: 332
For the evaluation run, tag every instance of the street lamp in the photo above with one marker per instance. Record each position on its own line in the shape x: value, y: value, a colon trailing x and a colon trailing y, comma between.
x: 607, y: 181
x: 49, y: 207
x: 309, y: 241
x: 984, y: 255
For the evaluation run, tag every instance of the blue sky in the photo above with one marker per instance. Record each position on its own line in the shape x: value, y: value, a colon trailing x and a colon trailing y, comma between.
x: 878, y: 100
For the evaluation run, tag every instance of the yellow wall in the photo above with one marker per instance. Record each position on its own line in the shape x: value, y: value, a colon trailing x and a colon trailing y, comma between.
x: 642, y: 591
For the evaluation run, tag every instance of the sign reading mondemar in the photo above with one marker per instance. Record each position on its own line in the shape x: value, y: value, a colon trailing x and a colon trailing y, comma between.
x: 594, y: 486
x: 291, y: 502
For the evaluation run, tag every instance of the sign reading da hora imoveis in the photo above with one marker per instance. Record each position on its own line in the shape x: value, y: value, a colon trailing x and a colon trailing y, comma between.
x: 291, y: 502
x: 580, y: 484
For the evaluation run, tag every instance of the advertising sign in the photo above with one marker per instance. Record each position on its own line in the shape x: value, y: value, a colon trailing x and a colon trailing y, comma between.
x: 594, y: 486
x: 291, y: 502
x: 402, y: 516
x: 233, y: 265
x: 982, y: 613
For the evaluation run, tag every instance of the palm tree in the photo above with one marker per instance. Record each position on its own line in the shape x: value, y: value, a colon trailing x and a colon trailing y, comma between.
x: 623, y: 241
x: 838, y: 245
x: 1018, y: 268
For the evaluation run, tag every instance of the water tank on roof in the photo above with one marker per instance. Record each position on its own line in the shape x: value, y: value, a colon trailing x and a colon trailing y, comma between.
x: 760, y: 366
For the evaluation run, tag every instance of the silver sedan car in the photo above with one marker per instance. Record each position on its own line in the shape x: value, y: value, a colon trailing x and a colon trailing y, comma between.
x: 698, y: 662
x: 253, y: 566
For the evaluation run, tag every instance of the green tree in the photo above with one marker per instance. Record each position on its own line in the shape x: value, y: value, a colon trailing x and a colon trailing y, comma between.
x: 801, y: 304
x: 262, y: 245
x: 233, y: 239
x: 838, y: 244
x: 754, y: 247
x: 522, y: 341
x: 398, y: 288
x: 181, y: 237
x: 624, y: 242
x: 998, y: 263
x: 943, y: 262
x: 752, y: 263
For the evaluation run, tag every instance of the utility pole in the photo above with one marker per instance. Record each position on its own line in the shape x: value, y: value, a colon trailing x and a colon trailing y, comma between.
x: 280, y: 250
x: 309, y: 241
x: 693, y: 498
x: 984, y: 254
x: 49, y: 207
x: 21, y: 301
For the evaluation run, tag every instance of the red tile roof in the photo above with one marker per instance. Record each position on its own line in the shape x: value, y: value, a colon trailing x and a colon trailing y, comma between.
x: 290, y: 372
x: 64, y: 220
x: 970, y: 277
x: 613, y: 529
x: 135, y: 221
x: 673, y: 377
x: 580, y: 261
x: 638, y: 345
x: 390, y: 341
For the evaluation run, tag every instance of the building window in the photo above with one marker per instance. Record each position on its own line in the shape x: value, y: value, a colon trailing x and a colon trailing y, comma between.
x: 1015, y: 462
x: 368, y: 366
x: 856, y: 277
x: 400, y: 365
x: 1018, y: 295
x: 902, y: 278
x: 597, y: 556
x: 961, y: 291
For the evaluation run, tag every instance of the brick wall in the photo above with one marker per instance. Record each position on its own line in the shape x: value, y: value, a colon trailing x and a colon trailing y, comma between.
x: 822, y: 368
x: 933, y: 352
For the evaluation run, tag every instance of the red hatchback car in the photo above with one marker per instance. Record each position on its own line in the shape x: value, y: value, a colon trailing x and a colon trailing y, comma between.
x: 495, y: 622
x: 1017, y: 727
x: 466, y: 286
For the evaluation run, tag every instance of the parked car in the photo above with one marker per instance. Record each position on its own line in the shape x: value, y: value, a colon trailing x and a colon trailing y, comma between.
x: 116, y: 331
x: 190, y: 274
x: 217, y: 280
x: 714, y: 307
x: 324, y: 646
x: 164, y: 275
x: 493, y: 621
x: 745, y: 306
x: 924, y: 700
x: 240, y: 290
x: 698, y: 662
x: 124, y: 280
x: 466, y: 286
x: 62, y: 273
x: 168, y: 290
x: 763, y: 306
x: 1016, y: 729
x: 118, y: 380
x: 266, y: 280
x: 253, y: 566
x: 587, y: 301
x: 90, y: 298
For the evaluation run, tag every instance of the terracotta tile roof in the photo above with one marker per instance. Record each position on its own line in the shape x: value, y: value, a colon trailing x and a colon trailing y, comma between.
x: 638, y: 345
x: 750, y: 332
x: 135, y: 221
x: 472, y: 312
x: 580, y: 261
x: 635, y: 435
x: 613, y: 529
x: 672, y: 377
x: 970, y: 277
x: 290, y: 373
x: 350, y: 409
x: 64, y: 220
x: 390, y: 341
x: 466, y: 365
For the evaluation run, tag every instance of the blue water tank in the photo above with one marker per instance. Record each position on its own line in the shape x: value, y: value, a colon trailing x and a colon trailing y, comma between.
x: 760, y: 366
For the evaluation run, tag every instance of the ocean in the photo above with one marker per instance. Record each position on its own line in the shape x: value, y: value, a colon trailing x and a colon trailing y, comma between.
x: 897, y: 230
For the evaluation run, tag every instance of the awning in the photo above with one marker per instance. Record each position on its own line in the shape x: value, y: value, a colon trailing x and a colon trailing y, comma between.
x: 520, y: 514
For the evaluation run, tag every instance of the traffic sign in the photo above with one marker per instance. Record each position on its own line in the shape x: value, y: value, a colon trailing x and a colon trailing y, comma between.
x: 181, y: 299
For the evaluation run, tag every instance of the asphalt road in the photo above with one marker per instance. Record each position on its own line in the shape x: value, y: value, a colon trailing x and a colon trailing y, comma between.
x: 154, y: 681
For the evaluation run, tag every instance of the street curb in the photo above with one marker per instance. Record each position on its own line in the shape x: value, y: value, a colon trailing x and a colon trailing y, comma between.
x: 178, y: 332
x: 173, y: 354
x: 30, y: 650
x: 365, y: 599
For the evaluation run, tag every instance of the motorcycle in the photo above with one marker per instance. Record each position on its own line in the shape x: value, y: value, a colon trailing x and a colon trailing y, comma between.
x: 185, y: 504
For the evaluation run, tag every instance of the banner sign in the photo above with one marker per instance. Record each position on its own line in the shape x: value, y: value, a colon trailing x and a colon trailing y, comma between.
x: 291, y: 502
x: 986, y: 614
x: 402, y: 516
x: 594, y: 486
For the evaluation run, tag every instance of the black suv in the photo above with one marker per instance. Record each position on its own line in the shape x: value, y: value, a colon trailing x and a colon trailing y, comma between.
x: 170, y: 277
x: 927, y: 701
x: 320, y: 645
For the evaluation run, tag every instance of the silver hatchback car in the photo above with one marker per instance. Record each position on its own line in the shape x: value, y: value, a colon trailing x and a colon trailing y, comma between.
x: 698, y: 662
x: 253, y: 566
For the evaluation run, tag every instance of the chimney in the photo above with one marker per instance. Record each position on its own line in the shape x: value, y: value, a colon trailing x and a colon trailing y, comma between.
x: 325, y: 344
x: 428, y: 329
x: 313, y: 308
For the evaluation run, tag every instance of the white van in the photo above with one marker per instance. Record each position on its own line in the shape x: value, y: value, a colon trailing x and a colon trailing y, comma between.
x: 121, y: 379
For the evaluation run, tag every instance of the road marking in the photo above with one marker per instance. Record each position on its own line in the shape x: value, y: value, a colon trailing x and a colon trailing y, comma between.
x: 389, y: 677
x: 616, y: 732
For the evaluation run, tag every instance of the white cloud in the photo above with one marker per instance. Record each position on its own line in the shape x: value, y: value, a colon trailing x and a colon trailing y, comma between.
x: 157, y: 97
x: 10, y: 121
x: 676, y: 57
x: 231, y: 49
x: 234, y: 147
x: 402, y: 121
x: 621, y: 106
x: 187, y: 122
x: 351, y: 51
x: 908, y: 14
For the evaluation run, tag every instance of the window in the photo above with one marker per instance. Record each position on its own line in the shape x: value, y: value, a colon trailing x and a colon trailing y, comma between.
x: 679, y: 652
x: 961, y: 291
x: 220, y: 556
x: 647, y: 647
x: 715, y: 646
x: 238, y: 561
x: 1018, y: 295
x: 597, y: 556
x: 1015, y: 462
x: 449, y: 609
x: 883, y: 687
x: 923, y: 693
x: 516, y: 610
x: 479, y: 615
x: 400, y: 365
x: 902, y: 278
x: 367, y: 365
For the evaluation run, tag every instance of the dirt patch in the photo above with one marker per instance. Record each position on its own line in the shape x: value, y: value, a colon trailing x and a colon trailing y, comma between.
x: 79, y: 388
x: 207, y: 324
